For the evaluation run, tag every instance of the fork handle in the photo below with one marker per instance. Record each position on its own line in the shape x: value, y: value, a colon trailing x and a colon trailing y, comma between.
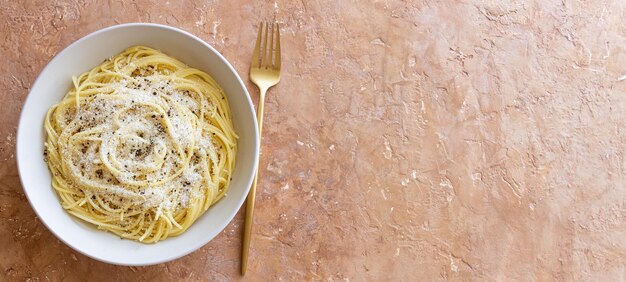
x: 252, y: 194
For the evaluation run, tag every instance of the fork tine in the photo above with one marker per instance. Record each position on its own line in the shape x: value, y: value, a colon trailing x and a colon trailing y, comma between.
x: 277, y: 51
x: 271, y: 49
x: 257, y: 50
x: 264, y: 48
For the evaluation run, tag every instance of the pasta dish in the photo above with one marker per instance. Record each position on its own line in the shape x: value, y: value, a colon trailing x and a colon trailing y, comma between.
x: 141, y: 146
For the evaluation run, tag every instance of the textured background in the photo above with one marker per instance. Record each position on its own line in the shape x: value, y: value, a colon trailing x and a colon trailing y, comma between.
x: 461, y: 140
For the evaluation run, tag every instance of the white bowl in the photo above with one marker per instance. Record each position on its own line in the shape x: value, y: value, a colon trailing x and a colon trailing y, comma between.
x: 55, y: 80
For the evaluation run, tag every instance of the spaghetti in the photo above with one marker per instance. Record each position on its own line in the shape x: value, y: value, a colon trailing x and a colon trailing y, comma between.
x: 141, y: 146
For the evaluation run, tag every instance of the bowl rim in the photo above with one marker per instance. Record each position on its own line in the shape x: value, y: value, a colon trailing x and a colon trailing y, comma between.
x: 29, y: 99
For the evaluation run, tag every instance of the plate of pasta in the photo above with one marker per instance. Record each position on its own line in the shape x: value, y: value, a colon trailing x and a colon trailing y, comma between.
x: 137, y: 144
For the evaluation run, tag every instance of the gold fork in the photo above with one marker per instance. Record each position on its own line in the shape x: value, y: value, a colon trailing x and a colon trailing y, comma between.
x: 265, y: 73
